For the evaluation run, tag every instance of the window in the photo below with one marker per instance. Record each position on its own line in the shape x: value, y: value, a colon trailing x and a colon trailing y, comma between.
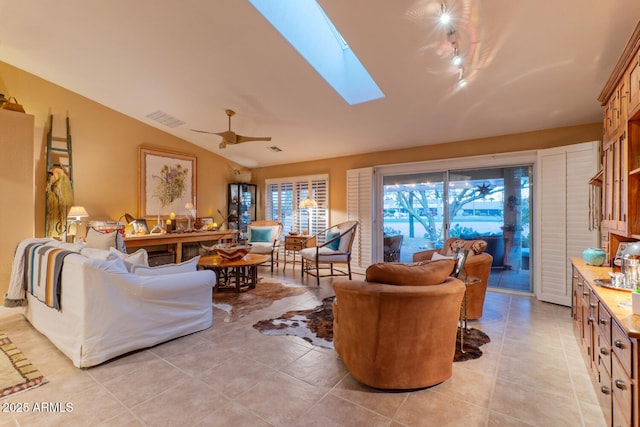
x: 283, y: 196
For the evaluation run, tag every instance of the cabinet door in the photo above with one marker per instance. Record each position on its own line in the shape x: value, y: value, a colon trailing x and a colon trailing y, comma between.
x: 615, y: 185
x: 634, y: 83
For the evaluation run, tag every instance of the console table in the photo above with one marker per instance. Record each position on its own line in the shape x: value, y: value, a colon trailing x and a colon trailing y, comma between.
x: 174, y: 241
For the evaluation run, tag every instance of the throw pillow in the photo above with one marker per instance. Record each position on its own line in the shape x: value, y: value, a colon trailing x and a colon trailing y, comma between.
x: 99, y: 240
x: 436, y: 256
x: 139, y: 257
x: 260, y: 234
x: 335, y: 245
x: 344, y: 242
x: 415, y: 274
x: 183, y: 267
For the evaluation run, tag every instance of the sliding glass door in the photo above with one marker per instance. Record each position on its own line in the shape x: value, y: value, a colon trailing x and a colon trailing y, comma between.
x: 492, y: 204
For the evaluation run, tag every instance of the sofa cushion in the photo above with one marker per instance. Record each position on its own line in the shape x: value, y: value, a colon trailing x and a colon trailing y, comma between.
x: 183, y: 267
x: 95, y: 253
x: 475, y: 247
x: 410, y: 274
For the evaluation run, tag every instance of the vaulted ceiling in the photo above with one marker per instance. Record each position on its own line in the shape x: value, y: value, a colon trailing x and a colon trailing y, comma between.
x: 530, y: 64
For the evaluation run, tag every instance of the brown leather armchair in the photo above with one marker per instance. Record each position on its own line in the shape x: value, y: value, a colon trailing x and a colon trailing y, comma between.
x: 395, y: 336
x: 478, y: 264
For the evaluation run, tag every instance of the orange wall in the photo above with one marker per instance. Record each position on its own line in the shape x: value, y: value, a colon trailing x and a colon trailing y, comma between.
x: 105, y: 150
x: 105, y: 154
x: 337, y: 167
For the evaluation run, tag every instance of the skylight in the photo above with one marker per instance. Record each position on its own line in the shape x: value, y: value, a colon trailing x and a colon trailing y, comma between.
x: 310, y: 31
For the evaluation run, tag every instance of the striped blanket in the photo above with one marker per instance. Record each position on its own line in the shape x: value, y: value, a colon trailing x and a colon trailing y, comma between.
x: 42, y: 272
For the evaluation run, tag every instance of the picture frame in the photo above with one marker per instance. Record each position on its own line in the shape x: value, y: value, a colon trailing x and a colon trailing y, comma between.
x: 166, y: 182
x: 207, y: 220
x: 140, y: 226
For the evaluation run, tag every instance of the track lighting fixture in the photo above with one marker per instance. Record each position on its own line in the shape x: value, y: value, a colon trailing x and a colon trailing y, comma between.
x: 445, y: 18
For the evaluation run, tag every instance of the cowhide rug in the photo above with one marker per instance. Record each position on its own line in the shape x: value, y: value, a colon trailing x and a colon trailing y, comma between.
x: 316, y: 327
x: 237, y: 305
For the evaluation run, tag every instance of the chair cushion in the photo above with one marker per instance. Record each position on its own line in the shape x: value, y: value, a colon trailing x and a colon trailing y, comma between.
x: 475, y: 247
x: 410, y: 274
x: 263, y: 248
x: 324, y: 255
x: 336, y: 243
x: 344, y: 242
x: 261, y: 234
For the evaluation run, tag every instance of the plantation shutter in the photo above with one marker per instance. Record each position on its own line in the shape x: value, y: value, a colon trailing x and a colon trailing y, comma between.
x: 360, y: 208
x: 284, y: 196
x: 563, y: 222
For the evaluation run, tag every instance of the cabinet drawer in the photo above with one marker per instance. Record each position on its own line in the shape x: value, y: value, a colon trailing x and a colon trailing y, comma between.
x: 603, y: 353
x: 621, y: 387
x: 604, y: 395
x: 622, y: 347
x: 604, y: 323
x: 294, y: 246
x: 620, y: 415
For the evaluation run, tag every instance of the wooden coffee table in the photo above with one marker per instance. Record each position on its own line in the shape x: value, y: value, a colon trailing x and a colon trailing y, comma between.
x: 241, y: 273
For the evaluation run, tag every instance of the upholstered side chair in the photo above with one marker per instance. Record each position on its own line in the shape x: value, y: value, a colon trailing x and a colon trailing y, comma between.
x: 336, y: 249
x: 264, y: 237
x: 477, y: 264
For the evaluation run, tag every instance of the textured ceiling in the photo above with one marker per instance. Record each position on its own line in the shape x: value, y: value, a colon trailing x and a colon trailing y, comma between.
x: 531, y: 64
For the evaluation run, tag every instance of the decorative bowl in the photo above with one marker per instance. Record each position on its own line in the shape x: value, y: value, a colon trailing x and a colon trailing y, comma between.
x: 594, y: 256
x: 232, y: 253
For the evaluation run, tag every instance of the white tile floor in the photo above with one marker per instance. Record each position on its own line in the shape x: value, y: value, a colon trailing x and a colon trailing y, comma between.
x: 532, y: 373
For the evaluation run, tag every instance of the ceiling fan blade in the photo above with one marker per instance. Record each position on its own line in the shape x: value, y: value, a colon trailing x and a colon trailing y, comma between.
x: 241, y: 138
x: 203, y: 131
x: 228, y: 136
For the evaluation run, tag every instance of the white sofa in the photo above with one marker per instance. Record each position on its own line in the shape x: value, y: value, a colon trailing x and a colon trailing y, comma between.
x: 106, y: 310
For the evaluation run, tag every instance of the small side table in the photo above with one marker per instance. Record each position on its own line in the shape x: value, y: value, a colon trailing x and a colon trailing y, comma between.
x: 296, y: 244
x: 468, y: 281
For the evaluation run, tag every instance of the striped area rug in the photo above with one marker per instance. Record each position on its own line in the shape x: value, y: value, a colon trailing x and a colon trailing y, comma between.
x: 17, y: 374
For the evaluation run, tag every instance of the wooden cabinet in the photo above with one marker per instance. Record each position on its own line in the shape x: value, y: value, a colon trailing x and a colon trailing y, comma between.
x: 242, y: 205
x: 633, y: 74
x: 620, y: 100
x: 609, y: 335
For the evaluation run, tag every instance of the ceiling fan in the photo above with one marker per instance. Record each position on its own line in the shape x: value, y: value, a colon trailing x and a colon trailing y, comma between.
x: 229, y: 137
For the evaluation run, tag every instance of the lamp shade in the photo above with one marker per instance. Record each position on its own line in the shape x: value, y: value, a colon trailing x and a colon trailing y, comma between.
x: 77, y: 212
x: 308, y: 203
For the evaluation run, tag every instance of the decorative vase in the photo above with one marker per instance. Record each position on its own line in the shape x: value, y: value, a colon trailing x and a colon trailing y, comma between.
x: 594, y: 256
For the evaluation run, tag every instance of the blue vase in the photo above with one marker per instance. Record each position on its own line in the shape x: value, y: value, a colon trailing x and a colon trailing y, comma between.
x: 594, y: 256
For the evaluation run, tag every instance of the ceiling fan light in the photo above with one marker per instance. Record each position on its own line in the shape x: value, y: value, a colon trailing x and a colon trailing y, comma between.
x: 456, y: 60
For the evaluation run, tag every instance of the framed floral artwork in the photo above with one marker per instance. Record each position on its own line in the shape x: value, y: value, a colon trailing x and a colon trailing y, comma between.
x: 167, y: 182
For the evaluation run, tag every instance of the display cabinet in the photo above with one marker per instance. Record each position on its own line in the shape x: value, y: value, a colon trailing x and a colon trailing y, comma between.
x: 620, y: 99
x: 241, y: 202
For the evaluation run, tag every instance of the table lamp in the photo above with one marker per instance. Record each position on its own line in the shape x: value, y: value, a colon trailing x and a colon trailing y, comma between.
x: 309, y: 204
x: 75, y: 215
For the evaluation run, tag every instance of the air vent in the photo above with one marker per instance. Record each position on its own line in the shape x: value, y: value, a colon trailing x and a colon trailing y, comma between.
x: 275, y: 148
x: 165, y: 119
